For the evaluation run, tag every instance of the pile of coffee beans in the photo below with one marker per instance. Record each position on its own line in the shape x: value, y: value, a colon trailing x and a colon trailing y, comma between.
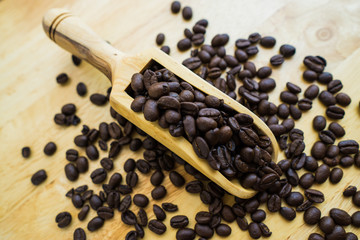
x: 226, y: 139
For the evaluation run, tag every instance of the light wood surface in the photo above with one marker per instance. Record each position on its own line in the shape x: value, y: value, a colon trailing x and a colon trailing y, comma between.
x: 30, y: 96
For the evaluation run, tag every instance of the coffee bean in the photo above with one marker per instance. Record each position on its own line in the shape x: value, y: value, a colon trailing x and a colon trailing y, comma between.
x: 200, y: 147
x: 322, y: 173
x: 287, y: 50
x: 159, y: 213
x: 185, y: 234
x: 50, y: 148
x: 81, y: 89
x: 355, y: 219
x: 83, y: 212
x: 326, y: 224
x: 254, y: 230
x: 79, y: 234
x: 327, y: 137
x: 132, y: 179
x: 227, y: 214
x: 314, y: 63
x: 305, y: 104
x: 105, y: 212
x: 327, y: 98
x: 343, y: 99
x: 356, y: 198
x: 95, y: 224
x: 158, y: 192
x: 334, y: 86
x: 254, y: 37
x: 310, y: 75
x: 350, y: 191
x: 204, y: 230
x: 128, y: 217
x: 82, y: 164
x: 194, y: 186
x: 348, y: 146
x: 337, y: 129
x: 63, y: 219
x: 312, y: 216
x: 219, y: 40
x: 311, y: 164
x: 267, y: 42
x: 38, y: 177
x: 129, y: 165
x: 334, y: 112
x: 307, y: 180
x: 98, y: 175
x: 187, y: 13
x: 294, y: 199
x: 176, y: 179
x: 179, y: 221
x: 95, y: 202
x: 71, y: 172
x: 336, y: 175
x: 77, y: 201
x: 340, y: 217
x: 274, y: 203
x: 92, y: 152
x: 140, y: 200
x: 160, y: 38
x: 319, y: 123
x: 192, y: 63
x: 165, y: 49
x: 267, y: 84
x: 242, y: 223
x: 288, y: 213
x: 288, y: 97
x: 277, y: 60
x: 258, y: 216
x: 223, y: 230
x: 156, y: 178
x: 351, y: 236
x: 315, y: 236
x: 62, y: 78
x: 175, y: 6
x: 98, y: 99
x: 318, y: 150
x: 68, y: 109
x: 157, y: 227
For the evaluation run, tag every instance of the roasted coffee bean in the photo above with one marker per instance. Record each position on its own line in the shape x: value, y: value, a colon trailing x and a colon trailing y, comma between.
x: 187, y: 13
x: 223, y: 230
x: 82, y: 164
x: 311, y: 164
x: 340, y: 217
x: 310, y: 75
x: 184, y: 44
x: 343, y: 99
x: 140, y: 200
x: 50, y: 148
x: 334, y: 86
x: 169, y: 207
x: 200, y: 147
x: 194, y: 186
x: 185, y: 234
x: 132, y: 179
x: 193, y: 62
x: 336, y: 175
x: 132, y: 235
x: 81, y: 141
x: 68, y: 109
x: 98, y: 99
x: 157, y: 227
x: 318, y: 150
x: 159, y: 213
x: 295, y: 199
x: 292, y: 177
x: 179, y: 221
x: 307, y: 180
x: 335, y: 112
x: 267, y: 84
x: 227, y: 214
x: 355, y: 219
x: 72, y: 155
x: 95, y: 224
x: 287, y: 50
x: 268, y: 42
x: 71, y: 172
x: 79, y: 234
x: 337, y: 233
x: 274, y: 203
x: 293, y: 88
x: 314, y: 63
x: 254, y: 37
x: 103, y: 131
x: 77, y: 201
x: 242, y: 43
x: 242, y: 223
x: 175, y: 6
x: 204, y: 230
x: 315, y: 236
x: 258, y: 216
x: 113, y: 199
x: 98, y: 175
x: 319, y: 123
x: 83, y: 212
x: 128, y: 217
x: 351, y: 236
x: 311, y: 92
x: 304, y: 206
x: 325, y: 78
x: 38, y: 177
x: 277, y: 60
x: 219, y: 40
x: 142, y: 217
x: 92, y: 152
x: 288, y: 97
x: 327, y: 98
x: 25, y: 152
x: 158, y: 192
x: 203, y: 217
x: 314, y: 195
x: 350, y: 191
x: 283, y: 111
x: 356, y: 198
x: 63, y: 219
x: 160, y: 38
x: 322, y: 173
x: 95, y: 202
x: 327, y: 137
x: 81, y: 89
x: 254, y: 230
x: 198, y: 39
x: 129, y: 165
x: 62, y: 78
x: 312, y: 216
x: 326, y: 224
x: 107, y: 164
x: 295, y: 112
x: 288, y: 213
x: 165, y: 49
x: 156, y: 178
x: 305, y: 104
x: 176, y: 179
x: 337, y: 129
x: 105, y: 212
x: 348, y: 147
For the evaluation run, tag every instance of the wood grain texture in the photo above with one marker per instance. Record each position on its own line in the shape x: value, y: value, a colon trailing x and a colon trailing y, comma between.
x: 30, y: 96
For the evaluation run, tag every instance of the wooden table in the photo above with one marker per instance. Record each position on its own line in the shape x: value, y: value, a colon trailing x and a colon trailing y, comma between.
x: 30, y: 96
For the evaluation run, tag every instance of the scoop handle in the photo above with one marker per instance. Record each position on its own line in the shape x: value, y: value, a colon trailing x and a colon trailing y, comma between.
x: 73, y: 35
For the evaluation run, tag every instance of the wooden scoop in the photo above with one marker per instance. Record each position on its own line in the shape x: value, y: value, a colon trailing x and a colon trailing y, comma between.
x: 70, y: 33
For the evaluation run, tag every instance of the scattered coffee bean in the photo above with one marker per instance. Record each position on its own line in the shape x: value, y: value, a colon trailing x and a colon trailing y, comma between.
x: 83, y: 212
x: 349, y: 191
x: 267, y: 42
x: 98, y: 175
x: 158, y: 192
x: 38, y: 177
x: 157, y: 227
x: 25, y: 152
x: 62, y: 78
x: 185, y: 234
x: 81, y: 89
x: 179, y: 221
x: 326, y: 224
x: 95, y: 224
x: 175, y: 6
x: 63, y: 219
x: 312, y: 215
x: 160, y: 38
x: 79, y: 234
x: 50, y: 148
x: 340, y: 217
x: 140, y: 200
